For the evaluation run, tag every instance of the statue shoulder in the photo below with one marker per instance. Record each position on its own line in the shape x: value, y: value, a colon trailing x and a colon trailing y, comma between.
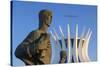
x: 34, y: 32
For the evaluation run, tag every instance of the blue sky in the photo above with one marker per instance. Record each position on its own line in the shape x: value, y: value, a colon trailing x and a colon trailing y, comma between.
x: 25, y: 19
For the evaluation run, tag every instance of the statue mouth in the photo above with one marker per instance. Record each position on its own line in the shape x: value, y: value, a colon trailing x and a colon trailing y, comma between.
x: 46, y: 23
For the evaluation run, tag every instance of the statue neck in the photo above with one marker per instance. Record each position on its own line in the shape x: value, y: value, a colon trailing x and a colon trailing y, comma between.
x: 43, y: 29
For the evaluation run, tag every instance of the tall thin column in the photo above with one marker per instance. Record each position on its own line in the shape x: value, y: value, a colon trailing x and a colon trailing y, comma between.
x: 68, y: 45
x: 75, y: 50
x: 81, y: 58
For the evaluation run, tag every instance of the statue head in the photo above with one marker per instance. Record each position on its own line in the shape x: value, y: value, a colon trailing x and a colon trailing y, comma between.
x: 63, y: 56
x: 45, y: 17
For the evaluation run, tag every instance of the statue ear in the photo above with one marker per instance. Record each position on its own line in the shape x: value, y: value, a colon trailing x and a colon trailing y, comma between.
x: 41, y: 20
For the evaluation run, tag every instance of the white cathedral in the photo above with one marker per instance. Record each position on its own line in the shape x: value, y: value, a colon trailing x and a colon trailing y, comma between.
x: 77, y: 47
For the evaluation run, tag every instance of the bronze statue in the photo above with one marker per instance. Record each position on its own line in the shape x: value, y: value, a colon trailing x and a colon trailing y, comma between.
x: 36, y: 48
x: 63, y: 56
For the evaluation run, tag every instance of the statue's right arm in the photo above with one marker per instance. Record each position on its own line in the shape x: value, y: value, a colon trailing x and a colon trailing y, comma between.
x: 22, y: 51
x: 29, y: 39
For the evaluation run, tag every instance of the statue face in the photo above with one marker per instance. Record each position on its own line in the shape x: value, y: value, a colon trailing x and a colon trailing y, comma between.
x: 45, y: 17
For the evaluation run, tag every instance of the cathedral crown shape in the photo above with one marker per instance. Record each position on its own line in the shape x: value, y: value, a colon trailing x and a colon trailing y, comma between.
x: 76, y: 47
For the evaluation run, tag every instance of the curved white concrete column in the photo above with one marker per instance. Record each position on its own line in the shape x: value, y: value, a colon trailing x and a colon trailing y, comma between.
x: 62, y: 39
x: 56, y: 37
x: 85, y: 46
x: 69, y: 56
x: 80, y: 46
x: 75, y: 49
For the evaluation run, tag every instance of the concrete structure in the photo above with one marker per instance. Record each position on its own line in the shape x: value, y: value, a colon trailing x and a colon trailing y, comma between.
x: 77, y: 47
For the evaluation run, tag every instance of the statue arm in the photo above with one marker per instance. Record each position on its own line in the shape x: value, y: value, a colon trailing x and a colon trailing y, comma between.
x: 22, y: 51
x: 24, y: 46
x: 29, y: 39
